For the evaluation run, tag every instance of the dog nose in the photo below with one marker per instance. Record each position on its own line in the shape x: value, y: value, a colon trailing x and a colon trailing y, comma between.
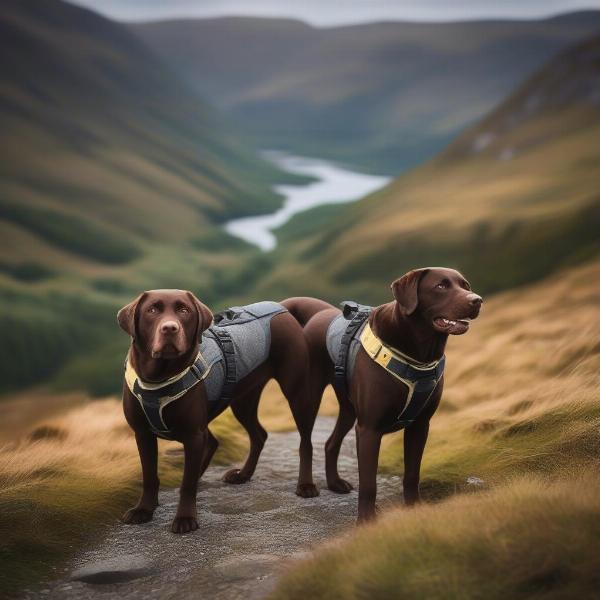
x: 475, y: 300
x: 169, y: 327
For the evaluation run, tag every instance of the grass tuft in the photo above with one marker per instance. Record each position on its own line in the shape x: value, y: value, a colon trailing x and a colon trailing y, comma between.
x: 533, y: 537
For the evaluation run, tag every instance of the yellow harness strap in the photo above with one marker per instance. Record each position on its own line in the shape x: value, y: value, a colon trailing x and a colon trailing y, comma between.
x: 384, y: 355
x: 421, y: 379
x: 131, y: 377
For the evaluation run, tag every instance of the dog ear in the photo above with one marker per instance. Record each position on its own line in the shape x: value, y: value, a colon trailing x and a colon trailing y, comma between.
x: 406, y: 291
x: 205, y: 316
x: 126, y: 316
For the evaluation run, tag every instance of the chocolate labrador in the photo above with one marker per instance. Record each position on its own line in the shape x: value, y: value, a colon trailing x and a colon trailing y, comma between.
x: 178, y: 369
x: 386, y: 365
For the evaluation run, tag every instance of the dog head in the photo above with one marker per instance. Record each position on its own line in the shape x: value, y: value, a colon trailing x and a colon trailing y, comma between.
x: 165, y: 323
x: 441, y: 297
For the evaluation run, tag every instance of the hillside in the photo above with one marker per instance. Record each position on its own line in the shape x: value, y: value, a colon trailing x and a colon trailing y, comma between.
x: 521, y: 415
x: 512, y: 199
x: 384, y: 96
x: 520, y: 411
x: 113, y: 176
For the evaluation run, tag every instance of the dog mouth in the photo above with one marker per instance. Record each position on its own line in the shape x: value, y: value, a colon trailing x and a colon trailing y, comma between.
x: 451, y: 326
x: 167, y: 351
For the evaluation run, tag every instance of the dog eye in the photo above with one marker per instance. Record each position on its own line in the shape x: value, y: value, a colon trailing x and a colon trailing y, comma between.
x: 184, y: 310
x: 442, y: 285
x: 152, y: 310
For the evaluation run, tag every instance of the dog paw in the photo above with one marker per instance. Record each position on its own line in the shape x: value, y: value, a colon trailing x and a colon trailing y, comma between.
x: 184, y: 524
x: 234, y: 476
x: 307, y: 490
x: 137, y: 515
x: 364, y: 519
x: 340, y: 486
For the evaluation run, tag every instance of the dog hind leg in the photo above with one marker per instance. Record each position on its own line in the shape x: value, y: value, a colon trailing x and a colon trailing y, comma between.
x: 245, y: 409
x: 344, y: 423
x: 292, y: 376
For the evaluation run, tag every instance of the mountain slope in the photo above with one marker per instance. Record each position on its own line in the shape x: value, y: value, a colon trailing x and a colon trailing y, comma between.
x: 79, y: 91
x: 510, y: 472
x: 113, y: 178
x: 384, y: 95
x: 512, y: 199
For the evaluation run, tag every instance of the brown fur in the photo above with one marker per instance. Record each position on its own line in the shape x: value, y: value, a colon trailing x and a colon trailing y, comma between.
x: 166, y: 326
x: 375, y: 398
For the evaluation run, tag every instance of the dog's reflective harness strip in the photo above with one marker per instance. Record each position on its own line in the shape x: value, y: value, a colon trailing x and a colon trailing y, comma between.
x: 420, y: 378
x: 153, y: 397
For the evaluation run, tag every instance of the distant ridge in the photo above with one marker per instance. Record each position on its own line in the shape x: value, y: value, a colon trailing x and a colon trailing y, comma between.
x: 385, y: 96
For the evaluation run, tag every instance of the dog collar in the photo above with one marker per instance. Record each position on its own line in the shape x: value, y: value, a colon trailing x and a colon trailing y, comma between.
x: 153, y: 397
x: 420, y: 378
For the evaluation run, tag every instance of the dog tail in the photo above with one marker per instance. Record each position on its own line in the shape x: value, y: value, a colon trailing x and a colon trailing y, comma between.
x: 303, y: 308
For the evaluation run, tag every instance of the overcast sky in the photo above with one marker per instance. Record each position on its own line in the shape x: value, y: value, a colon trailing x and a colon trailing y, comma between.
x: 337, y: 12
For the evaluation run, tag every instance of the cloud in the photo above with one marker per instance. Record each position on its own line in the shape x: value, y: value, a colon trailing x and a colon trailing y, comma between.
x: 337, y: 12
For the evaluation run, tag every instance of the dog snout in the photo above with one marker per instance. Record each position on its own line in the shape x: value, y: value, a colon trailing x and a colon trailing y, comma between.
x: 475, y: 300
x: 169, y: 327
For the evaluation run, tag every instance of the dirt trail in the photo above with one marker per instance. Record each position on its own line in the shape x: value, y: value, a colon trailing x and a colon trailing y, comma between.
x: 248, y: 533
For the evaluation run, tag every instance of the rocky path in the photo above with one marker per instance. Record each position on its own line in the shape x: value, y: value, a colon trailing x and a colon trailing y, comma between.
x: 248, y: 533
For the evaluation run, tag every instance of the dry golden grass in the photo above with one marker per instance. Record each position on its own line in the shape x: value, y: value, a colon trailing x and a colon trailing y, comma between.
x: 529, y: 539
x: 521, y: 411
x: 73, y: 474
x: 63, y: 478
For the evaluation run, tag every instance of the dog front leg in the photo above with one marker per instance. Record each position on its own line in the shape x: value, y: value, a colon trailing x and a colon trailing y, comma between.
x: 186, y: 518
x: 143, y: 511
x: 415, y: 438
x: 368, y: 444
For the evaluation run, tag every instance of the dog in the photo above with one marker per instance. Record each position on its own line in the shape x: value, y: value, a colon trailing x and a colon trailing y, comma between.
x: 395, y: 353
x: 181, y: 373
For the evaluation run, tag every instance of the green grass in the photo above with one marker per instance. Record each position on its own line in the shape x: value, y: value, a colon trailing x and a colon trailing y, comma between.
x: 69, y: 339
x: 29, y: 272
x: 492, y: 256
x: 75, y: 234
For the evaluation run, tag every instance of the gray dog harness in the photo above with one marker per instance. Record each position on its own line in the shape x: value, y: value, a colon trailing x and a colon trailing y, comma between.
x: 238, y: 342
x: 349, y: 331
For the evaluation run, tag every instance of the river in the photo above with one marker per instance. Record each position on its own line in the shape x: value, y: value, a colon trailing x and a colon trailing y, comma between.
x: 333, y: 185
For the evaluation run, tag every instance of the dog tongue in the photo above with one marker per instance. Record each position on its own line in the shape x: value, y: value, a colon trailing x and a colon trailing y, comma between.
x: 452, y: 326
x: 460, y: 327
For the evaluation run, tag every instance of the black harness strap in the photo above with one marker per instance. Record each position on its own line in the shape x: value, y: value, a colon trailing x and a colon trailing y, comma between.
x: 359, y: 314
x: 425, y: 382
x: 151, y: 398
x: 226, y: 344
